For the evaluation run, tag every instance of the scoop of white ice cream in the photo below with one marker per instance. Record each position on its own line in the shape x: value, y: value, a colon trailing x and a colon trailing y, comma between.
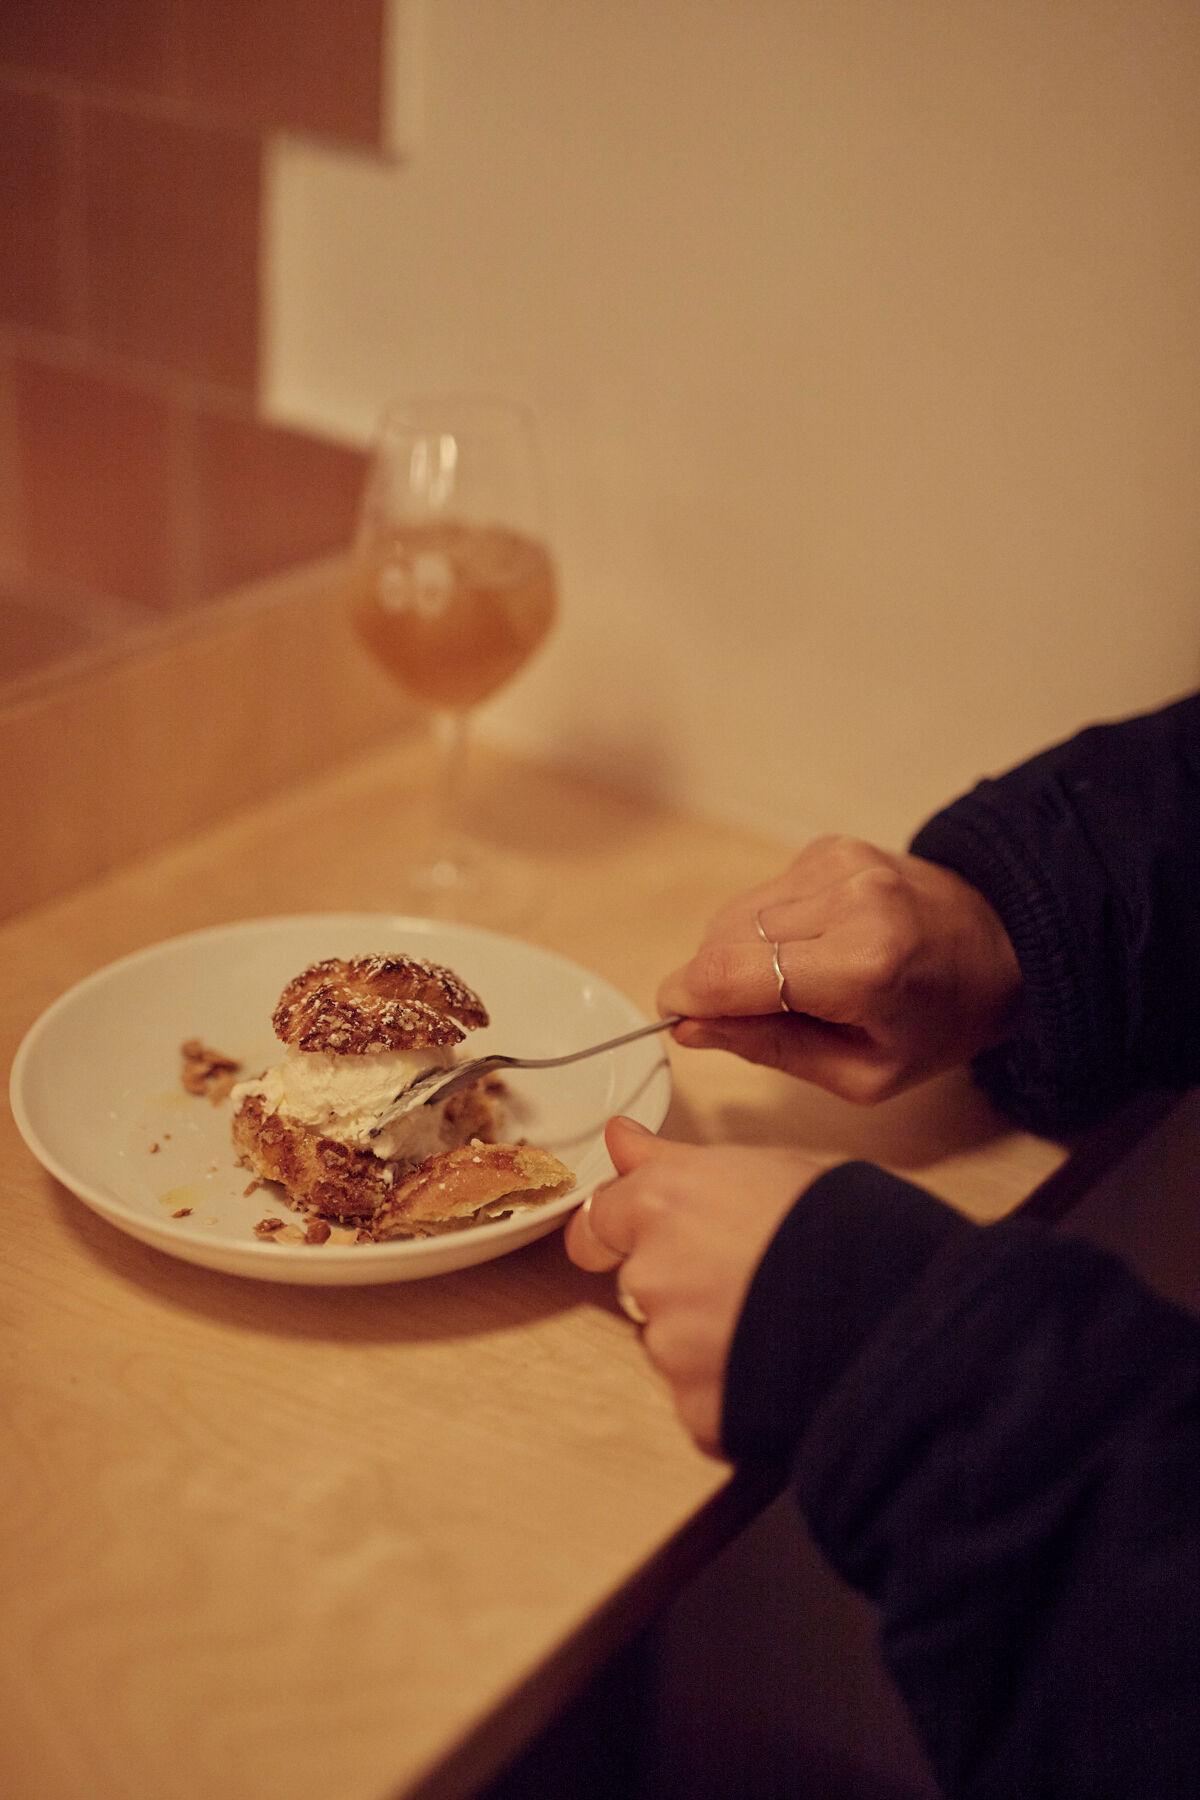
x: 343, y: 1096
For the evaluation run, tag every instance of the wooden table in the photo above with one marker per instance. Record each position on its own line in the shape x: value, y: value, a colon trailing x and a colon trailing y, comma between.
x: 338, y: 1544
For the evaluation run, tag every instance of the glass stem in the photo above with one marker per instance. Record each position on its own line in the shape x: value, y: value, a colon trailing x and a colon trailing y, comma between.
x: 452, y: 730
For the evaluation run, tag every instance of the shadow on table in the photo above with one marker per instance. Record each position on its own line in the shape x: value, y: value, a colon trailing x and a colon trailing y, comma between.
x: 530, y: 1284
x: 947, y: 1116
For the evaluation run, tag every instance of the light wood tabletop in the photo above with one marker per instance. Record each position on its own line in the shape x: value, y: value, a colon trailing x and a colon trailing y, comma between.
x: 338, y: 1544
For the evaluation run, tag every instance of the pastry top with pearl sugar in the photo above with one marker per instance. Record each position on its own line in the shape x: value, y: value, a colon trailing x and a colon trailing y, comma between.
x: 371, y: 1003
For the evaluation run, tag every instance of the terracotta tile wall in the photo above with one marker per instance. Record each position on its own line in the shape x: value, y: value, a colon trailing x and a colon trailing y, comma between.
x: 133, y: 468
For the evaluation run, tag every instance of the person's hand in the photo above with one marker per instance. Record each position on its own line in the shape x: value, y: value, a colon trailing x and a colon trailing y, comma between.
x: 687, y: 1226
x: 893, y: 968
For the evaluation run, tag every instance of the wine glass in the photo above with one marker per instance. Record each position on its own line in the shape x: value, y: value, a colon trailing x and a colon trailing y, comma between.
x: 452, y: 590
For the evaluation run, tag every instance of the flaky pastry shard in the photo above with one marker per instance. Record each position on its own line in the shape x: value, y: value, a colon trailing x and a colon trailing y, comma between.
x: 468, y: 1185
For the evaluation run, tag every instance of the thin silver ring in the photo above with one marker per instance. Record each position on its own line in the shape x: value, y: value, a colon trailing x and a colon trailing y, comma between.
x: 586, y: 1210
x: 625, y: 1300
x: 630, y: 1307
x: 774, y: 949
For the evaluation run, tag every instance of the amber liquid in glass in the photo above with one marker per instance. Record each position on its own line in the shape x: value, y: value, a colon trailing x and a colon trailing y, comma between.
x: 451, y: 610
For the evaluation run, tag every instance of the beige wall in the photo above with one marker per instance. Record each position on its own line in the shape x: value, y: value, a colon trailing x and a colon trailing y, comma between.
x: 866, y: 343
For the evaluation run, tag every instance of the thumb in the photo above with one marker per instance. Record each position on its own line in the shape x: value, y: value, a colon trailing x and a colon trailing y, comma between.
x: 630, y: 1144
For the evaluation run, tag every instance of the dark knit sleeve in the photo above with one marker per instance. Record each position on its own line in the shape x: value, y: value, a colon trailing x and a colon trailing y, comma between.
x: 995, y: 1436
x: 853, y: 1245
x: 1090, y: 853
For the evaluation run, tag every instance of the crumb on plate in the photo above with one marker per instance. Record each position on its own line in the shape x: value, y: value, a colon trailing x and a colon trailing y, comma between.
x: 207, y: 1072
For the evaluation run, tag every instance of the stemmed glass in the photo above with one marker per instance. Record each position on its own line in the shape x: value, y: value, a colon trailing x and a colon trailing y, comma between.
x: 452, y: 590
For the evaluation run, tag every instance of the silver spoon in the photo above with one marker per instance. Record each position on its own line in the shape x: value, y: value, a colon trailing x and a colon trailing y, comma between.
x: 439, y: 1084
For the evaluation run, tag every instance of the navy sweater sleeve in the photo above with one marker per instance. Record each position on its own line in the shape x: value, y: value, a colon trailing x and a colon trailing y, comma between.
x: 995, y: 1435
x: 1090, y: 854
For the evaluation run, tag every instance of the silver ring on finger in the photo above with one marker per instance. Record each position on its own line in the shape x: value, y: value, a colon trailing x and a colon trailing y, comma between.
x: 631, y: 1307
x: 586, y: 1211
x: 779, y: 974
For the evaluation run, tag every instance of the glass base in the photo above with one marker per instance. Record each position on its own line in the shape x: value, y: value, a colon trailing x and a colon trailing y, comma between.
x: 459, y: 879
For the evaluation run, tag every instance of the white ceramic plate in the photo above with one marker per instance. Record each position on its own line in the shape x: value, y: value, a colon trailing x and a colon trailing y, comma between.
x: 96, y: 1083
